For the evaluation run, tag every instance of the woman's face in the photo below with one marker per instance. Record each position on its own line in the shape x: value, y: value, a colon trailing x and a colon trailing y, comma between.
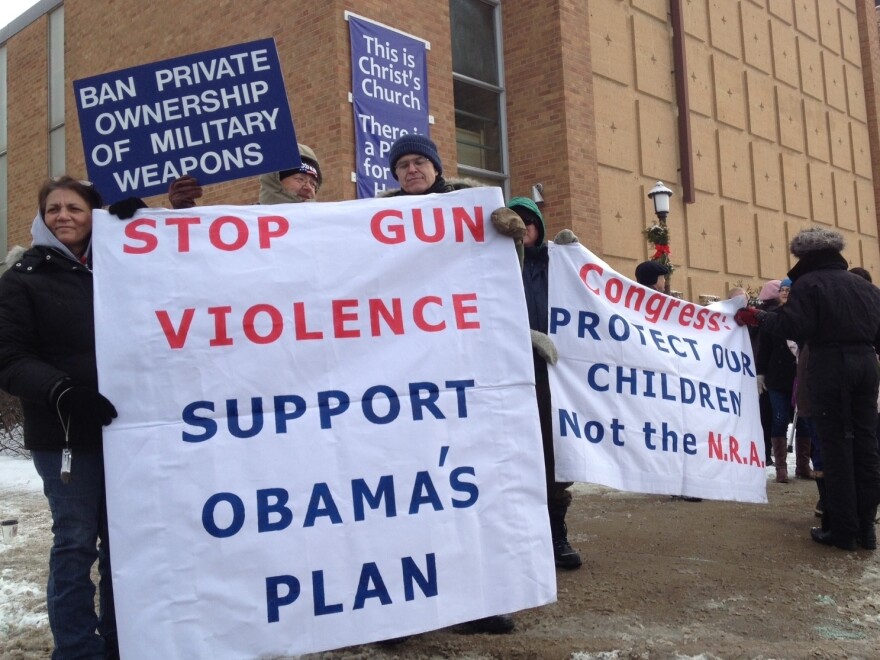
x: 69, y: 218
x: 783, y: 294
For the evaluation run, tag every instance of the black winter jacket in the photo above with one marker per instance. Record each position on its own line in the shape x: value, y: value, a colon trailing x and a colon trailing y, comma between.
x: 47, y: 332
x: 535, y: 283
x: 777, y: 363
x: 828, y: 306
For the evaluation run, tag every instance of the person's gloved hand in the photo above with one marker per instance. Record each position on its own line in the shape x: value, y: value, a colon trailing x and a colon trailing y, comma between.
x: 508, y: 223
x: 126, y: 208
x: 82, y: 406
x: 545, y: 347
x: 566, y: 237
x: 749, y: 316
x: 762, y: 383
x: 184, y: 191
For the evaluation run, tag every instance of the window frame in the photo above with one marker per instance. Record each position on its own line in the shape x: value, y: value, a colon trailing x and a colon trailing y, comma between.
x: 501, y: 178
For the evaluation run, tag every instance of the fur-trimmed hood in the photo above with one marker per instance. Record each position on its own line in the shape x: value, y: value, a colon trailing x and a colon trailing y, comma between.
x: 271, y: 191
x: 816, y: 239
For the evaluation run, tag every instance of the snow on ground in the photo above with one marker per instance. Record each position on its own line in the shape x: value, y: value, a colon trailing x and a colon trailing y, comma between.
x: 18, y: 473
x: 22, y: 592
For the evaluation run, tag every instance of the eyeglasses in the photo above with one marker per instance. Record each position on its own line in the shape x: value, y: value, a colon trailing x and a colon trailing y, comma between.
x: 303, y: 179
x: 56, y: 179
x: 403, y: 165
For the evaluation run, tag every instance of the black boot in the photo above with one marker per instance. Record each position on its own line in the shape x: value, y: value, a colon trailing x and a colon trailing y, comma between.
x: 867, y: 534
x: 827, y: 538
x: 499, y: 624
x: 564, y: 555
x: 820, y: 505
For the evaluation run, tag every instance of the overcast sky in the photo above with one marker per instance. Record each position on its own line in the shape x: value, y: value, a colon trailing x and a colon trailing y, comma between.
x: 10, y: 9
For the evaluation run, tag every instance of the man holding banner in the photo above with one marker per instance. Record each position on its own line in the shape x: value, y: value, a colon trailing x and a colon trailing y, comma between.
x: 415, y: 162
x: 535, y: 284
x: 298, y: 184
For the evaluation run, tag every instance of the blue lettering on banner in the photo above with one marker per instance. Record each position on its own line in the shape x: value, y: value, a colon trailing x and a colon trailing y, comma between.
x: 275, y: 513
x: 422, y: 397
x: 284, y: 590
x: 589, y: 325
x: 650, y: 384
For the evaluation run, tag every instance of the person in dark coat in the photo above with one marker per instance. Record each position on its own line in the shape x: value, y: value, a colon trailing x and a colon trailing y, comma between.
x: 648, y: 273
x: 768, y: 300
x: 47, y: 360
x: 838, y: 314
x: 536, y: 286
x: 776, y: 366
x: 416, y: 165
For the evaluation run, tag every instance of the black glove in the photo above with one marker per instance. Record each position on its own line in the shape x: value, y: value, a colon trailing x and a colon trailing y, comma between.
x: 184, y: 191
x: 81, y: 406
x: 127, y: 207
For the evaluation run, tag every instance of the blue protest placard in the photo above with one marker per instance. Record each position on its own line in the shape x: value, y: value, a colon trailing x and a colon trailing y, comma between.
x: 216, y: 115
x: 389, y: 95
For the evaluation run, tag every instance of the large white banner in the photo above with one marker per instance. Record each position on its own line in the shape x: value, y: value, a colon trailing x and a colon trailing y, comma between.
x: 651, y: 394
x: 327, y: 429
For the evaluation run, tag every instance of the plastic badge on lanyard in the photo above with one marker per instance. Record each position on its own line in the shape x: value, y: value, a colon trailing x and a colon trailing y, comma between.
x: 65, y: 465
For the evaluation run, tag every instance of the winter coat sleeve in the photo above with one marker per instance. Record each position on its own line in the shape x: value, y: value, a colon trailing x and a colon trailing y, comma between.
x: 22, y: 372
x: 795, y: 320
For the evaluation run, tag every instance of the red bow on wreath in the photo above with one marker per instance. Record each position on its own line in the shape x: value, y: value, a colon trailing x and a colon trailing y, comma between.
x: 661, y: 250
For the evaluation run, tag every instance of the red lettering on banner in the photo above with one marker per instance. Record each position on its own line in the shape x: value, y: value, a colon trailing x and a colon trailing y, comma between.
x: 392, y: 227
x: 655, y: 306
x: 340, y: 317
x: 299, y: 323
x: 264, y: 323
x: 221, y: 337
x: 393, y: 318
x: 183, y: 225
x: 459, y: 304
x: 136, y: 230
x: 176, y: 337
x: 419, y: 314
x: 227, y: 233
x: 250, y: 320
x: 240, y: 234
x: 271, y: 226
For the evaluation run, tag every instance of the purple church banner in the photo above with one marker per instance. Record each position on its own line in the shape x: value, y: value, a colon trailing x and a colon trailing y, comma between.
x: 389, y: 96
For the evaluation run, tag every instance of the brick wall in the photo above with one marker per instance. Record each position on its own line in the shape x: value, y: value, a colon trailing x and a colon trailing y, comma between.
x: 783, y: 112
x: 27, y: 128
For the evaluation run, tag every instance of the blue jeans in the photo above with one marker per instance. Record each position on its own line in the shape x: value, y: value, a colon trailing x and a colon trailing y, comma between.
x: 780, y: 402
x: 79, y: 527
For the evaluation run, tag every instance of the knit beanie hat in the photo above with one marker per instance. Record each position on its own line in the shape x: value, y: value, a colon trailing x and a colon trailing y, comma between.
x: 309, y: 165
x: 526, y: 207
x: 816, y: 239
x: 414, y: 143
x: 648, y: 272
x: 785, y: 284
x: 770, y: 291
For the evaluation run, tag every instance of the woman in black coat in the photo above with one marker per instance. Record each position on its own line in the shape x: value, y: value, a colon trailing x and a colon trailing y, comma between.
x: 47, y: 360
x: 838, y: 314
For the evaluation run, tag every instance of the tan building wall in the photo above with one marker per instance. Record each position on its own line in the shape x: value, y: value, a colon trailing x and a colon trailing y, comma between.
x: 779, y: 127
x: 784, y: 129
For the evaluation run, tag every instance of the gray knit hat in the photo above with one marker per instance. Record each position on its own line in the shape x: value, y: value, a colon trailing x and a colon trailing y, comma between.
x: 816, y: 239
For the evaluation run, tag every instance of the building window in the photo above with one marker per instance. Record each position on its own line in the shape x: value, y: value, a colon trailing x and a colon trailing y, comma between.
x: 57, y: 156
x: 478, y: 74
x: 4, y: 199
